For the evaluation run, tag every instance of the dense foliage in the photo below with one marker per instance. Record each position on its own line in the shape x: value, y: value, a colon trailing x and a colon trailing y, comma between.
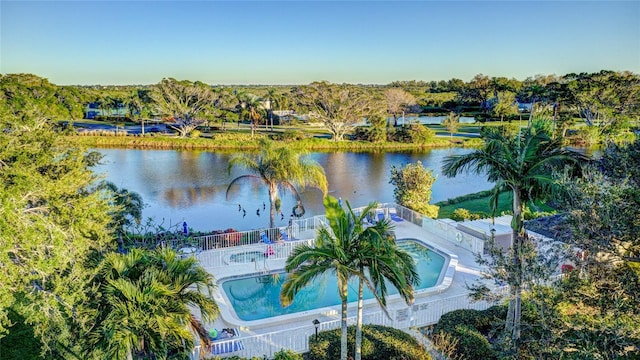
x: 604, y: 102
x: 379, y: 343
x: 144, y: 301
x: 593, y: 311
x: 53, y: 223
x: 413, y: 184
x: 522, y: 164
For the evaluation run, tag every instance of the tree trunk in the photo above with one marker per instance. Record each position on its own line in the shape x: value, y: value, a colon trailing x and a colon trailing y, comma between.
x: 512, y: 325
x: 358, y: 351
x: 273, y: 194
x: 343, y: 322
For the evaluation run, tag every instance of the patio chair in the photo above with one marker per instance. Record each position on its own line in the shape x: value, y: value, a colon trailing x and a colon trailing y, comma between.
x: 394, y: 215
x: 226, y: 342
x: 284, y: 235
x: 264, y: 238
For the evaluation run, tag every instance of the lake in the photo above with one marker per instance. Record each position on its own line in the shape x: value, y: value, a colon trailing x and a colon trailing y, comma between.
x: 179, y: 185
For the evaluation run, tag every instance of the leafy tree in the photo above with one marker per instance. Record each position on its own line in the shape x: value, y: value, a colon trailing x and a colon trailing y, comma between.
x: 278, y: 168
x: 377, y: 131
x: 28, y: 94
x: 338, y: 107
x: 52, y: 223
x: 522, y: 164
x: 413, y: 188
x: 603, y: 217
x: 184, y: 101
x: 144, y: 301
x: 137, y: 104
x: 126, y: 209
x: 601, y: 97
x: 452, y: 123
x: 253, y: 104
x: 533, y: 91
x: 604, y: 205
x: 479, y: 89
x: 506, y: 105
x: 397, y: 101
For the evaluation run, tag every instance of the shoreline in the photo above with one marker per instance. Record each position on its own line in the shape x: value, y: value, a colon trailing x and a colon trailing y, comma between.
x: 235, y: 143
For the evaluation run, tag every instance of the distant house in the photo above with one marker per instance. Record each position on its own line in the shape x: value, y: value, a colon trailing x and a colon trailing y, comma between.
x: 524, y: 107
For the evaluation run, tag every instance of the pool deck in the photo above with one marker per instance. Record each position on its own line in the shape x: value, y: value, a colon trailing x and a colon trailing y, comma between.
x: 463, y: 270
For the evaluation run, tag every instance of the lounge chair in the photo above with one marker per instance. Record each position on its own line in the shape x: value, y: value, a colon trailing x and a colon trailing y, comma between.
x: 264, y: 238
x: 284, y: 235
x: 394, y: 215
x: 226, y: 341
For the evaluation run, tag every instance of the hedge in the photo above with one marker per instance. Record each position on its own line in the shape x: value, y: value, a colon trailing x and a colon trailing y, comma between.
x: 378, y: 343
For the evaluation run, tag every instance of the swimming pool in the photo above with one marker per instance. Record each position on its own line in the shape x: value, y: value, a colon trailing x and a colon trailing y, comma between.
x: 247, y: 256
x: 257, y: 297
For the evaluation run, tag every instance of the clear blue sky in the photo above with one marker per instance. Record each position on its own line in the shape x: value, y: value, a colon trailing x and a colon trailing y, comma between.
x: 297, y: 42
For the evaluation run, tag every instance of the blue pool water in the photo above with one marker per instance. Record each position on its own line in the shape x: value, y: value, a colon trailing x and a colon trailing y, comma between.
x: 258, y: 297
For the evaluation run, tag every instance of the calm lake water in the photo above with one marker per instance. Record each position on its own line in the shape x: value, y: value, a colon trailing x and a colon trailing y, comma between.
x: 191, y: 185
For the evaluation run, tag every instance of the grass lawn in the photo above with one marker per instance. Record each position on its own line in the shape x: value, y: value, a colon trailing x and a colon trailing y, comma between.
x: 479, y: 203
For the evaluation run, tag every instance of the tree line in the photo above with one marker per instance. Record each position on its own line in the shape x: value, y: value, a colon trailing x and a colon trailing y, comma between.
x: 606, y: 101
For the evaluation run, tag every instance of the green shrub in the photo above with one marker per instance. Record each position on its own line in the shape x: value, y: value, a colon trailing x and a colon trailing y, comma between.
x: 472, y: 344
x: 413, y: 188
x: 378, y: 342
x: 467, y: 330
x: 450, y: 320
x: 460, y: 214
x: 289, y: 135
x: 587, y: 136
x: 194, y: 134
x: 531, y: 214
x: 285, y: 354
x: 473, y: 143
x: 414, y: 133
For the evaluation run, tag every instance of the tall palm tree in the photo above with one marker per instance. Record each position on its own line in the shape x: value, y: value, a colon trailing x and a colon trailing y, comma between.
x: 349, y: 249
x: 144, y: 300
x: 279, y: 168
x: 274, y: 101
x: 333, y: 252
x: 524, y: 165
x: 379, y: 258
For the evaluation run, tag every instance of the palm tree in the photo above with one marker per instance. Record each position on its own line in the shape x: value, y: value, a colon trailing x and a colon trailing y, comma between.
x: 279, y: 168
x: 251, y: 104
x: 349, y: 249
x: 332, y: 253
x: 380, y: 258
x: 126, y: 209
x: 524, y: 165
x: 274, y: 100
x: 144, y: 300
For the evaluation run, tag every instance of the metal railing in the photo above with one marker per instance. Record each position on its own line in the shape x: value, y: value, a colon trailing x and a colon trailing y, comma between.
x: 297, y: 339
x: 418, y: 315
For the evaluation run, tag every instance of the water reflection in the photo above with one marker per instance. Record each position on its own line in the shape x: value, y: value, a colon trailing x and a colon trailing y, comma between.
x: 191, y: 185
